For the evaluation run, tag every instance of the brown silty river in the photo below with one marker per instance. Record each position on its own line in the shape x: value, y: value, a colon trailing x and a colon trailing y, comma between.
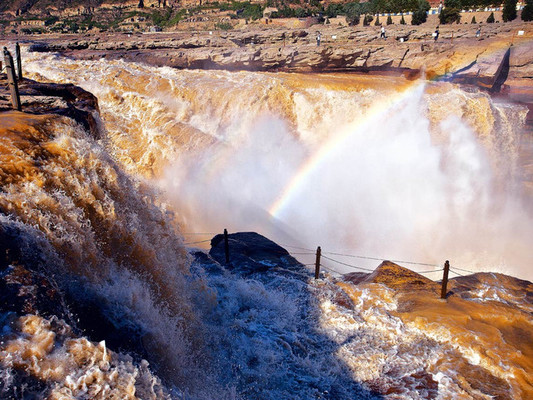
x: 369, y: 165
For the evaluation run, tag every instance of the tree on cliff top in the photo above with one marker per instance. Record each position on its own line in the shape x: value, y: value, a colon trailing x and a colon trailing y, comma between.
x: 527, y: 11
x: 420, y: 15
x: 449, y: 16
x: 509, y: 10
x: 451, y: 12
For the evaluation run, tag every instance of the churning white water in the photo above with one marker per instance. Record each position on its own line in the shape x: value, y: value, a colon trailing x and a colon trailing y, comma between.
x: 421, y: 172
x: 375, y: 167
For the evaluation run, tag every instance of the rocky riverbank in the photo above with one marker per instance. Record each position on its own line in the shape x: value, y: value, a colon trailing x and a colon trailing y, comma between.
x: 51, y: 98
x: 457, y: 54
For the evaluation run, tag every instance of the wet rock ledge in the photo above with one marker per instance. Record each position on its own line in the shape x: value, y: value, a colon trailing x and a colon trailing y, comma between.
x: 53, y: 98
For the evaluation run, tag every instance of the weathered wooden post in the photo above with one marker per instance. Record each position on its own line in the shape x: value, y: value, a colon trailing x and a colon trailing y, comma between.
x: 445, y: 280
x: 19, y: 61
x: 317, y: 262
x: 226, y: 245
x: 12, y: 80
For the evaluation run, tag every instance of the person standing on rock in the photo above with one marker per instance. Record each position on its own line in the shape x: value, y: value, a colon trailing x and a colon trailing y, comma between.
x: 318, y: 37
x: 436, y: 34
x: 382, y: 36
x: 478, y: 32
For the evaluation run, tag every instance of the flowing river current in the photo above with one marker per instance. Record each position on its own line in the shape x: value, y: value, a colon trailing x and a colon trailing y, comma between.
x: 369, y: 168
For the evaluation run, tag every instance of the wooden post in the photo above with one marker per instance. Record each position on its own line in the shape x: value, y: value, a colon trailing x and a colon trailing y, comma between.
x: 19, y: 61
x: 445, y: 280
x: 317, y: 262
x: 12, y: 80
x: 226, y: 245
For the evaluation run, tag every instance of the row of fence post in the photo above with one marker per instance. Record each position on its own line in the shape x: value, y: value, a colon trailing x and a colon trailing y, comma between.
x: 444, y: 286
x: 12, y: 76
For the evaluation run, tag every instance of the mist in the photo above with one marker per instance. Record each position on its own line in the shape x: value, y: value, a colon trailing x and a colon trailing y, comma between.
x: 381, y: 186
x: 398, y: 171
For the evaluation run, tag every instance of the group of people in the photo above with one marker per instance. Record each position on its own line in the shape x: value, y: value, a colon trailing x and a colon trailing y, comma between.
x: 382, y: 34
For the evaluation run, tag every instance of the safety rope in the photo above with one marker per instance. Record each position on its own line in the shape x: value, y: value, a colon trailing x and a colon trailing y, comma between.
x: 347, y: 265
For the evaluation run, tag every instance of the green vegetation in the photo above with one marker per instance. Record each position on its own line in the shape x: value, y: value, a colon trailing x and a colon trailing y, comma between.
x: 451, y: 12
x: 527, y: 11
x: 32, y: 31
x: 420, y: 15
x: 50, y: 21
x: 243, y: 9
x: 367, y: 20
x: 491, y: 19
x: 353, y: 10
x: 509, y: 10
x: 167, y: 17
x: 224, y: 26
x: 473, y: 20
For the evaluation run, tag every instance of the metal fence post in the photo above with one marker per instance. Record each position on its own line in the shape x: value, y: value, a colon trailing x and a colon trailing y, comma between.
x: 226, y: 245
x: 317, y: 262
x: 19, y: 61
x: 445, y: 280
x: 12, y: 80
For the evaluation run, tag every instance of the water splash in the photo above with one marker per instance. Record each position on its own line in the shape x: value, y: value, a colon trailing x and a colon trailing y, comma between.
x: 420, y: 172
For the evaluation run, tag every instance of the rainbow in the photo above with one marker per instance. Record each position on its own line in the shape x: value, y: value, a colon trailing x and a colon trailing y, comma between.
x: 315, y: 160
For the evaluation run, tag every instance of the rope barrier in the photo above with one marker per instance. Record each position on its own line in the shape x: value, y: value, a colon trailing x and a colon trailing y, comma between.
x: 381, y: 259
x: 455, y: 272
x: 295, y: 247
x: 330, y: 269
x: 429, y: 272
x: 348, y: 265
x: 464, y: 270
x: 312, y: 252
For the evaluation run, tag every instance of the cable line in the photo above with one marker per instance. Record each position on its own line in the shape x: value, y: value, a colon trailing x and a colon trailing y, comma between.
x: 464, y: 270
x: 455, y: 272
x: 348, y: 265
x: 296, y: 247
x: 381, y: 259
x: 429, y: 272
x: 330, y: 269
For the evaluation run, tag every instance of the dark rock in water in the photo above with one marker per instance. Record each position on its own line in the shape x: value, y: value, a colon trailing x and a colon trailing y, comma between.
x: 97, y: 320
x: 30, y: 283
x: 206, y: 263
x: 394, y: 277
x: 250, y: 252
x: 54, y: 98
x: 39, y: 47
x: 23, y: 291
x: 23, y: 386
x: 24, y: 287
